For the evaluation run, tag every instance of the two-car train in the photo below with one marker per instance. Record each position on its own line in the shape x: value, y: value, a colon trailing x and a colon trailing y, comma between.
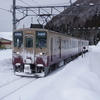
x: 38, y: 51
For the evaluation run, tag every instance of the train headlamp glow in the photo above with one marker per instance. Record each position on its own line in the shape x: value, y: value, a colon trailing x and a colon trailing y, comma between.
x: 17, y: 53
x: 41, y: 53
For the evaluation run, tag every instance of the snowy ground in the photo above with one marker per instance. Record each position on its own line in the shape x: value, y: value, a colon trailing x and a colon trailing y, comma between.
x: 78, y: 80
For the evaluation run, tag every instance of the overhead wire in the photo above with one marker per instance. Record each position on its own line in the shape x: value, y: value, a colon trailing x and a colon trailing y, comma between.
x: 46, y: 10
x: 36, y: 2
x: 5, y: 10
x: 43, y: 10
x: 36, y: 9
x: 49, y: 4
x: 28, y: 5
x: 5, y: 20
x: 59, y: 4
x: 40, y: 5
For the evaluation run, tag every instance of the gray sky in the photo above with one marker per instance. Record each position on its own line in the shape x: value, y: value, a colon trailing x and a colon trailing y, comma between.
x: 6, y: 17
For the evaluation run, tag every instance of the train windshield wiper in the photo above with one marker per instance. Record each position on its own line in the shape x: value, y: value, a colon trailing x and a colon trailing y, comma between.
x: 39, y: 46
x: 18, y: 43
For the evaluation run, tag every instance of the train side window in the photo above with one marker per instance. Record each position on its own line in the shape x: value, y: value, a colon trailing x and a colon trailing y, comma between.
x: 67, y: 45
x: 55, y: 44
x: 64, y: 44
x: 29, y: 42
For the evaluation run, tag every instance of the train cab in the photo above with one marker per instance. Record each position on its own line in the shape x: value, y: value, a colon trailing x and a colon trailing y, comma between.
x: 29, y: 52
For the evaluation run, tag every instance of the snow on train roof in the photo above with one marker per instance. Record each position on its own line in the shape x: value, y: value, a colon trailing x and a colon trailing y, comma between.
x: 6, y: 35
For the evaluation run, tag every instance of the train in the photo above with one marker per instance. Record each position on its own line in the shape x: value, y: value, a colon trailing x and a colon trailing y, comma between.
x: 38, y: 51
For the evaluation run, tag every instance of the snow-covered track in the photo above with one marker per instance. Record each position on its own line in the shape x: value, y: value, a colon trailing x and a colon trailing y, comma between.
x: 14, y: 86
x: 10, y: 82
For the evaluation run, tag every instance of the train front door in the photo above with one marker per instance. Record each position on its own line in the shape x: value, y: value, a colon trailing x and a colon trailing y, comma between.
x: 28, y: 49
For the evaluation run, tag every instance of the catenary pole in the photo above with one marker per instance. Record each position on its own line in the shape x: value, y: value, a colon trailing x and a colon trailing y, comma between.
x: 70, y: 2
x: 14, y: 14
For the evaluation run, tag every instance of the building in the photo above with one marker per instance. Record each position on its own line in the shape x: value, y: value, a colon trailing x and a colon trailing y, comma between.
x: 5, y: 43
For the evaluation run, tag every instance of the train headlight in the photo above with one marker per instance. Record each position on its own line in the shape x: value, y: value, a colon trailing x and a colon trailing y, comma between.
x: 42, y: 53
x: 17, y: 53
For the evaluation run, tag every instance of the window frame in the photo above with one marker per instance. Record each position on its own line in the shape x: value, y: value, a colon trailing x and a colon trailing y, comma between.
x: 17, y: 37
x: 29, y: 45
x: 40, y: 38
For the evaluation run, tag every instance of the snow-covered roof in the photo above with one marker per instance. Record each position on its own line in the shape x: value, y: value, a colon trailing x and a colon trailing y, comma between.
x: 6, y: 35
x: 5, y: 39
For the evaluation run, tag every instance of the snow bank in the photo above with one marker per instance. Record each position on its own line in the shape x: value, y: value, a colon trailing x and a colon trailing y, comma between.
x: 95, y: 60
x: 6, y: 68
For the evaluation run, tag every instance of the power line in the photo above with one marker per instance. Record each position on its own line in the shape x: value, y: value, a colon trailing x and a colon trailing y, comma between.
x: 36, y: 2
x: 49, y: 4
x: 24, y: 2
x: 40, y: 5
x: 35, y: 9
x: 5, y: 10
x: 59, y: 4
x: 28, y: 5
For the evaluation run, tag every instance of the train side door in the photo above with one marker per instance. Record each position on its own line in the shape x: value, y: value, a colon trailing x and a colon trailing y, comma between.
x: 51, y: 49
x: 28, y: 49
x: 59, y: 47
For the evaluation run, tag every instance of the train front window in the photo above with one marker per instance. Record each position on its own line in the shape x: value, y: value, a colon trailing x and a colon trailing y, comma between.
x: 41, y: 39
x: 29, y: 42
x: 18, y: 39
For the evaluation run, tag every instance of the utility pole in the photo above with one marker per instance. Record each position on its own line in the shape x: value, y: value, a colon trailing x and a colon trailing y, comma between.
x: 14, y: 14
x: 70, y: 2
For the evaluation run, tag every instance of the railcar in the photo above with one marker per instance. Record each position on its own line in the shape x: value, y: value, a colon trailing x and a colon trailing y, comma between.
x: 36, y: 51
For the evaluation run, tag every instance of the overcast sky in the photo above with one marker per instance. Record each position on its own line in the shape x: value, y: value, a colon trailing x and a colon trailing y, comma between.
x: 6, y: 17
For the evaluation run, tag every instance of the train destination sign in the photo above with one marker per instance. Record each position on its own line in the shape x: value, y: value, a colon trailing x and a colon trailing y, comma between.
x: 18, y: 34
x: 41, y: 34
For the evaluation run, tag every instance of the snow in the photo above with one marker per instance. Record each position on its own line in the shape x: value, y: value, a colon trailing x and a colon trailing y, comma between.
x: 78, y: 80
x: 6, y: 35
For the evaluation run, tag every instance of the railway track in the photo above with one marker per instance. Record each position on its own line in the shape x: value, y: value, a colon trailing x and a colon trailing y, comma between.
x: 10, y: 82
x: 14, y: 86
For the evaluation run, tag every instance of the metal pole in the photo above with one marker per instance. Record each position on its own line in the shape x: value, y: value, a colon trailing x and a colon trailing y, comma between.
x: 31, y: 20
x: 14, y: 14
x: 70, y: 2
